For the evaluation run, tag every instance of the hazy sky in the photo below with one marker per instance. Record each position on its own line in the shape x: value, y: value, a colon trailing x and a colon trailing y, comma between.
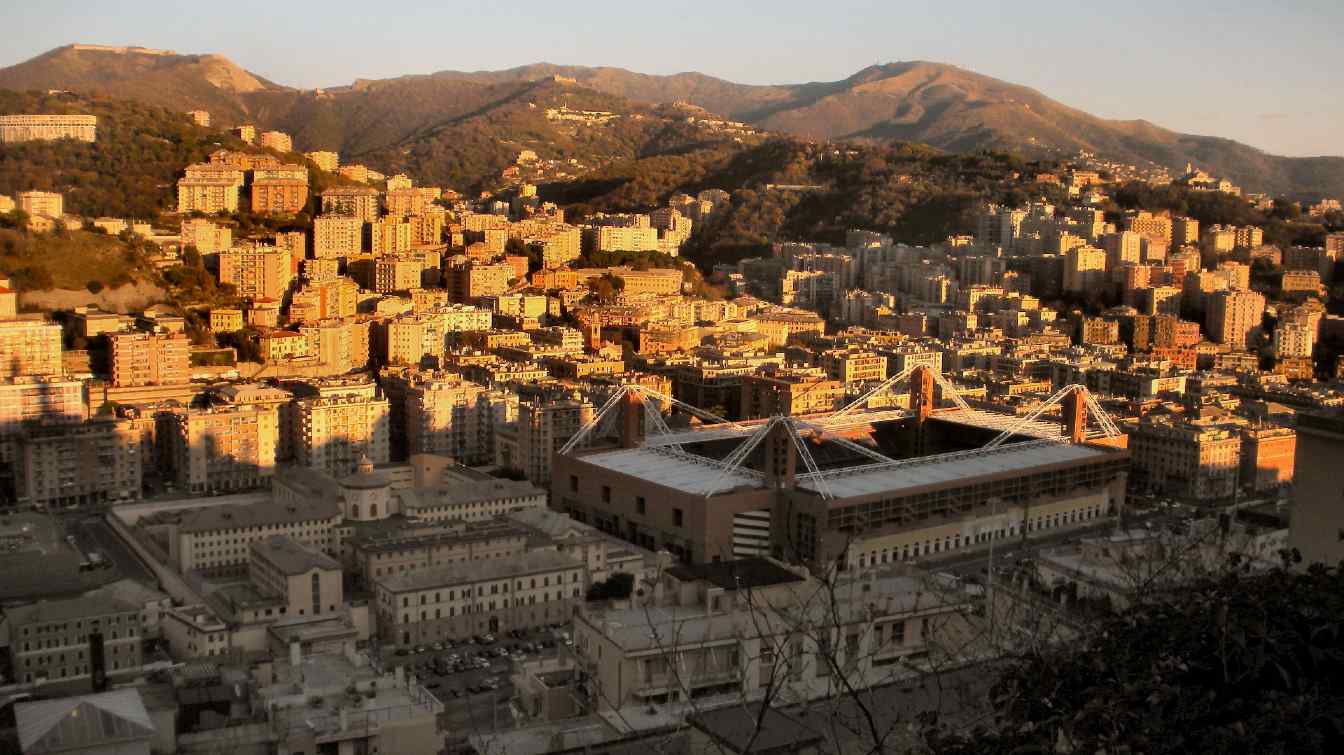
x: 1267, y: 75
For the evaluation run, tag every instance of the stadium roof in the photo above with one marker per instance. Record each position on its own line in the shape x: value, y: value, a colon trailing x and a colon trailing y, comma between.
x: 680, y: 471
x: 895, y: 477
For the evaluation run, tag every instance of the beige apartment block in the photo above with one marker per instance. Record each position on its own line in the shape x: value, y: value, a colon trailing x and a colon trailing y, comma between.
x: 353, y: 201
x: 497, y: 595
x: 280, y: 196
x: 207, y: 195
x: 337, y: 236
x: 140, y: 359
x: 29, y: 345
x: 94, y: 462
x: 49, y: 639
x: 47, y: 204
x: 226, y: 320
x: 28, y: 128
x: 397, y: 273
x: 1192, y: 459
x: 222, y: 447
x: 276, y: 140
x: 390, y: 235
x: 257, y: 272
x: 334, y: 434
x: 328, y: 161
x: 199, y: 117
x: 1233, y: 315
x: 207, y: 237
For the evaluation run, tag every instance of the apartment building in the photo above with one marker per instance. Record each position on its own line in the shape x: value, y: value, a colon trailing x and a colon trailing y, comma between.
x: 853, y: 366
x: 29, y: 345
x: 1084, y: 269
x: 276, y: 140
x: 1233, y: 315
x: 324, y: 299
x: 748, y: 628
x: 778, y: 326
x: 48, y: 204
x: 53, y: 640
x: 49, y: 399
x: 226, y: 319
x: 328, y: 161
x: 442, y: 413
x: 208, y: 195
x: 789, y: 392
x: 257, y: 272
x: 279, y: 196
x: 1267, y: 457
x: 207, y: 237
x: 333, y: 434
x: 390, y: 235
x: 140, y: 359
x: 351, y: 201
x: 69, y: 464
x: 33, y: 127
x: 376, y: 555
x: 469, y: 281
x: 542, y: 428
x: 1186, y: 458
x: 222, y: 448
x: 337, y: 236
x: 458, y: 600
x: 46, y: 128
x: 397, y: 273
x: 219, y: 538
x: 306, y: 580
x: 1293, y: 340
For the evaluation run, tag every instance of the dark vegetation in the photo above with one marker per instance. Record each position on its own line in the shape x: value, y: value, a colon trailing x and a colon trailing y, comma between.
x: 914, y: 192
x: 616, y: 587
x: 1284, y: 224
x: 129, y: 172
x: 1240, y: 664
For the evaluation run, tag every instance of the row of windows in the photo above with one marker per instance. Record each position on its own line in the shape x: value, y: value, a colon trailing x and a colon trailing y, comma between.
x: 954, y: 542
x: 470, y: 592
x: 492, y: 606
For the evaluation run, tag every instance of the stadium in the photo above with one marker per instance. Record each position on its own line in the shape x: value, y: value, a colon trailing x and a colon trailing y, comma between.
x: 878, y: 481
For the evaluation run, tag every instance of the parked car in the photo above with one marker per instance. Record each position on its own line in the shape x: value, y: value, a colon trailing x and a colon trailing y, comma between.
x: 437, y: 646
x: 420, y: 648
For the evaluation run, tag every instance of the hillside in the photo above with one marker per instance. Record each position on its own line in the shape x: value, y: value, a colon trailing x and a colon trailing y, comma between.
x: 128, y: 172
x: 154, y: 77
x: 912, y: 191
x: 389, y: 123
x: 950, y: 108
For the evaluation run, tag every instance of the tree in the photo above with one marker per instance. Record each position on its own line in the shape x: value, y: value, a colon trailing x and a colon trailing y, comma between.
x: 1239, y: 663
x: 616, y: 587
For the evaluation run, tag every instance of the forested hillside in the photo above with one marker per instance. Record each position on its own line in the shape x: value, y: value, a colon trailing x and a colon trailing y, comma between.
x: 128, y: 172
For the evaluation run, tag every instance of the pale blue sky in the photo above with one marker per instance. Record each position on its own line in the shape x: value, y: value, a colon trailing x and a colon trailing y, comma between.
x: 1268, y: 75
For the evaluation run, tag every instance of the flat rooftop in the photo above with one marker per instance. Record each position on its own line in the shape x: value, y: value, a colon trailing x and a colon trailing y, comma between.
x: 909, y: 474
x: 673, y: 469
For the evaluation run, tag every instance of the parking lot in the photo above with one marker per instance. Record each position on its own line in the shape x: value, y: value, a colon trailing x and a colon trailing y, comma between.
x: 472, y: 678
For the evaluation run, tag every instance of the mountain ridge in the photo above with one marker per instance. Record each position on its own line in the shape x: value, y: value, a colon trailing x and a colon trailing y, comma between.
x: 942, y: 105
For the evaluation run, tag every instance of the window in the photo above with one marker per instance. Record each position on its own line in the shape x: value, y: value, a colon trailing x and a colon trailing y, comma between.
x: 606, y: 494
x: 676, y: 518
x: 573, y: 484
x: 639, y: 505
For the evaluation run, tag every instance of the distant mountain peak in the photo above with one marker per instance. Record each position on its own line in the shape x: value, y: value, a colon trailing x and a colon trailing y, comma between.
x: 939, y: 104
